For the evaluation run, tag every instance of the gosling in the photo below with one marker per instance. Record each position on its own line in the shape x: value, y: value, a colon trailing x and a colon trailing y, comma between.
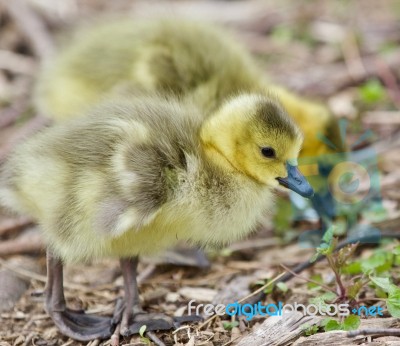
x: 134, y: 176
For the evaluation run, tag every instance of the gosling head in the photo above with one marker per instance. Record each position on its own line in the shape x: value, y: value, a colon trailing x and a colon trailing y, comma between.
x: 253, y: 135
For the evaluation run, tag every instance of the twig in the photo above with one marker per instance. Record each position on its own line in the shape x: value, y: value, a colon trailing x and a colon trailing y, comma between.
x: 95, y: 342
x: 374, y: 331
x: 17, y: 63
x: 262, y: 288
x: 308, y: 280
x: 146, y: 273
x: 11, y: 225
x: 253, y: 244
x: 371, y: 299
x: 342, y: 289
x: 29, y: 338
x: 22, y: 272
x: 389, y: 79
x: 352, y: 57
x: 70, y: 342
x: 32, y: 27
x: 230, y: 341
x: 27, y: 274
x: 384, y: 145
x: 153, y: 337
x: 115, y: 337
x: 22, y: 245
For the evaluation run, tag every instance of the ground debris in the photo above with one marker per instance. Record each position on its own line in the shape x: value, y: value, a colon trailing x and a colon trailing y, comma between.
x: 279, y: 330
x: 12, y: 286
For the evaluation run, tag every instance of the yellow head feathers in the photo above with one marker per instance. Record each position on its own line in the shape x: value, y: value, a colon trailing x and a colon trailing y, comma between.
x: 252, y: 134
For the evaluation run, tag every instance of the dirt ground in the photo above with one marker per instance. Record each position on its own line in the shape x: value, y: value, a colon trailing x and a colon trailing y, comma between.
x: 345, y: 54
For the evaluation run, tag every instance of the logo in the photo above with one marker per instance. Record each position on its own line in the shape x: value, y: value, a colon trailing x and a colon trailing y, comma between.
x: 346, y: 184
x: 252, y: 310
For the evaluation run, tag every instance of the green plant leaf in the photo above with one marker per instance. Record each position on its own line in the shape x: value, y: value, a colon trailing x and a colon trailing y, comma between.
x: 344, y: 254
x: 328, y: 235
x: 325, y: 321
x: 352, y: 268
x: 314, y: 257
x: 143, y: 339
x: 230, y: 325
x: 332, y: 325
x: 354, y: 289
x: 282, y: 33
x: 372, y: 91
x: 383, y: 283
x: 142, y: 330
x: 324, y: 249
x: 323, y: 299
x: 375, y: 215
x: 375, y: 261
x: 316, y: 278
x: 282, y: 286
x: 396, y: 250
x: 351, y: 322
x: 269, y: 288
x: 393, y: 303
x: 310, y: 329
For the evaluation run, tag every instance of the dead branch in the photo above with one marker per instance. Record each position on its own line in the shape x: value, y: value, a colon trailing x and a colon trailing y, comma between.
x: 153, y: 337
x: 11, y: 225
x: 352, y: 57
x: 16, y: 63
x: 27, y: 274
x: 375, y: 331
x: 31, y: 26
x: 115, y: 337
x: 279, y: 330
x: 389, y: 79
x: 308, y: 280
x: 30, y: 242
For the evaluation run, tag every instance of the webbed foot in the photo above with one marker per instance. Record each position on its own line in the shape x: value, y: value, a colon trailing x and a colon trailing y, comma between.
x: 80, y: 326
x: 73, y: 323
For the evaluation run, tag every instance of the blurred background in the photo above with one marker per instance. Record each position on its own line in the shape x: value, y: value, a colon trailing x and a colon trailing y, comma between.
x: 345, y: 54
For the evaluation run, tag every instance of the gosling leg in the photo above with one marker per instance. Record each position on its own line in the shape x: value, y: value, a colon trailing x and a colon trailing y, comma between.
x: 134, y: 317
x: 75, y: 324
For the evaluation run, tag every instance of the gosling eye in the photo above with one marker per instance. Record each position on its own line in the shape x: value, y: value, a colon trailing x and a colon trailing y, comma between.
x: 268, y: 152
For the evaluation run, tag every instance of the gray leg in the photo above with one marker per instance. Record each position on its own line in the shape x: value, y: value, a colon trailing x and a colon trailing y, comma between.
x: 75, y: 324
x: 132, y: 304
x: 133, y: 317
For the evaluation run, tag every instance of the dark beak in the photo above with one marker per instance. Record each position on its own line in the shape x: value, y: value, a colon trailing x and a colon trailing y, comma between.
x: 296, y: 182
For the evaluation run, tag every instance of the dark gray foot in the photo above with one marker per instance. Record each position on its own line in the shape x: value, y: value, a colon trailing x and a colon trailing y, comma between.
x: 80, y: 326
x: 75, y: 324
